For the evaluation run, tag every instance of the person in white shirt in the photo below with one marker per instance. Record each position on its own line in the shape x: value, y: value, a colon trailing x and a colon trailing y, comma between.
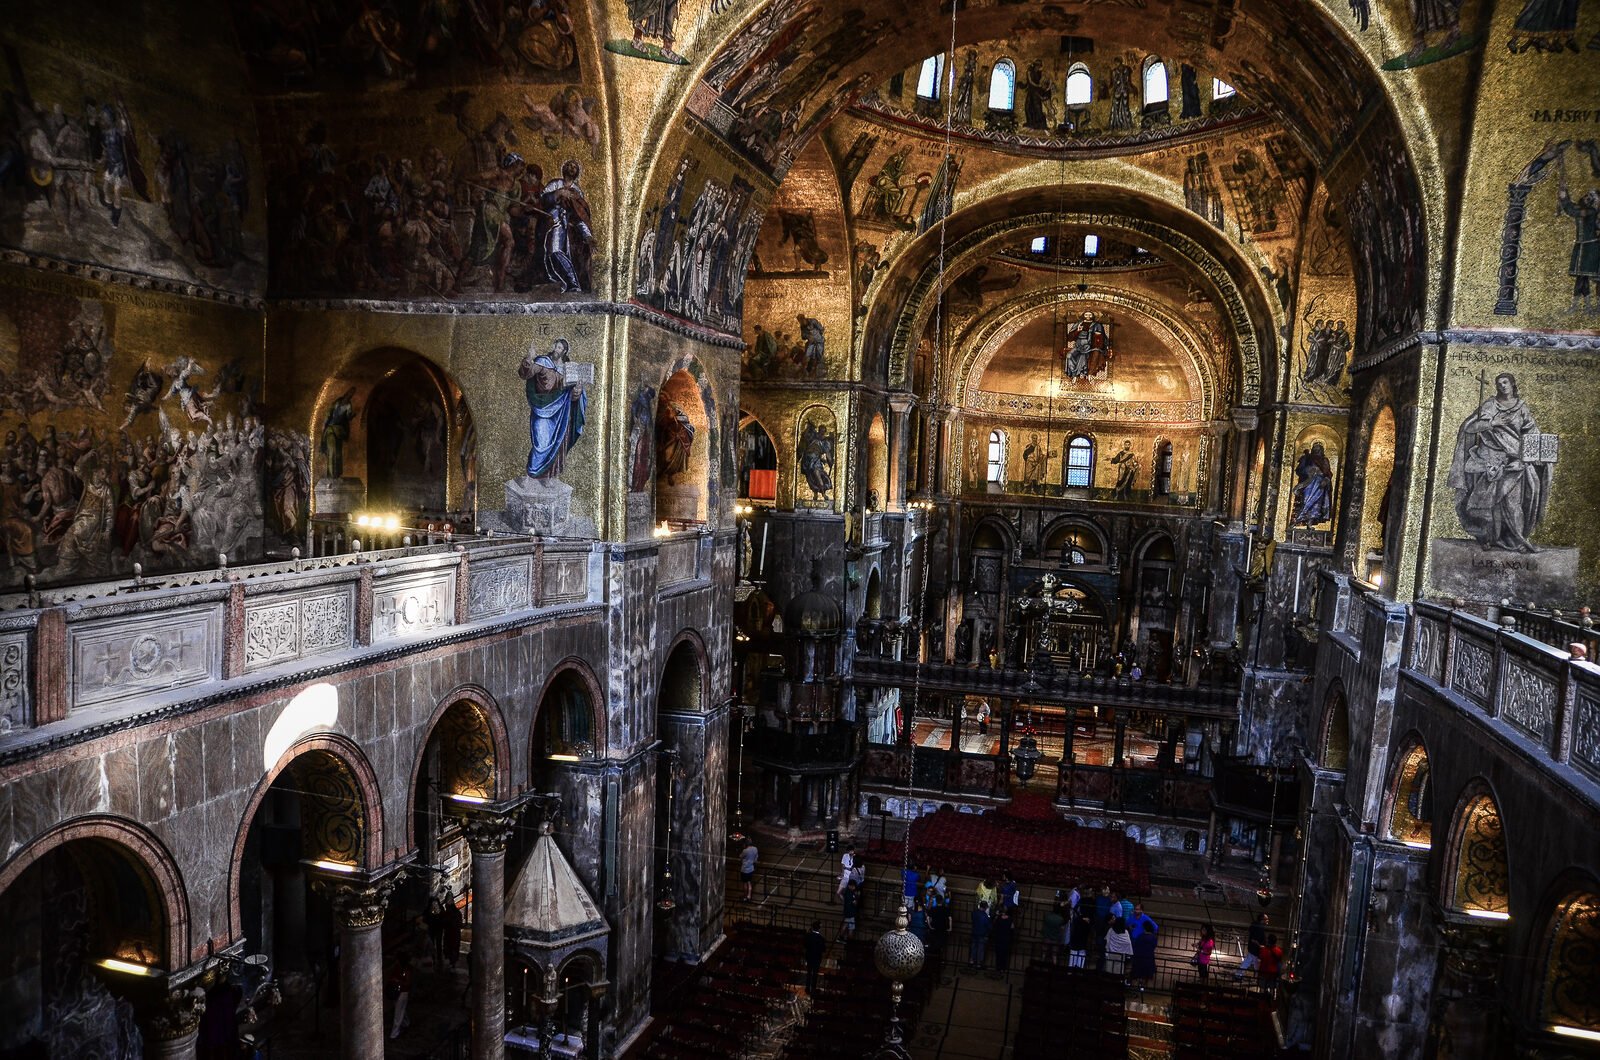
x: 747, y: 867
x: 847, y: 866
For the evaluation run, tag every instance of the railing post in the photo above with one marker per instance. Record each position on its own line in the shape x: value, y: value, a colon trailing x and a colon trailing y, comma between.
x: 233, y: 633
x: 51, y: 700
x: 1566, y: 712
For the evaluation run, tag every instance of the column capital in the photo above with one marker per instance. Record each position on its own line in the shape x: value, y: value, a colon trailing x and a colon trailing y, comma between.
x: 176, y: 1015
x: 1245, y: 419
x: 357, y: 903
x: 488, y: 833
x: 902, y: 403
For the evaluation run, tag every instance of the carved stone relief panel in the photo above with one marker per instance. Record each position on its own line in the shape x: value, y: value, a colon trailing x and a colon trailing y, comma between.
x: 1427, y: 649
x: 280, y: 629
x: 677, y: 562
x: 1473, y: 672
x: 326, y: 622
x: 499, y: 588
x: 271, y: 633
x: 131, y: 655
x: 565, y: 578
x: 1586, y: 734
x: 1357, y: 624
x: 16, y: 709
x: 412, y: 604
x: 1528, y: 701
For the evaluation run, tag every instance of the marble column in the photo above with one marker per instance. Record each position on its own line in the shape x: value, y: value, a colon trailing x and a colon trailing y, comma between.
x: 358, y: 910
x: 487, y: 835
x: 172, y: 1028
x: 1245, y: 422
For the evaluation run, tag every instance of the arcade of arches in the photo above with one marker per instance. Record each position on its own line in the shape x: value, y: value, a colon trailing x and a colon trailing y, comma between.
x: 463, y: 462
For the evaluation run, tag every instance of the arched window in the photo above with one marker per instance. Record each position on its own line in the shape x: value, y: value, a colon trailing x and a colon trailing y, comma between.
x: 1080, y: 461
x: 1220, y: 89
x: 1080, y: 86
x: 1040, y: 244
x: 996, y: 472
x: 931, y: 79
x: 1155, y: 81
x: 1003, y: 86
x: 1091, y: 246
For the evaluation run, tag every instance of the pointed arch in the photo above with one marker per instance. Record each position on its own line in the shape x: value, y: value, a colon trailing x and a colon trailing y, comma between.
x: 1003, y: 86
x: 1477, y: 873
x: 1333, y: 744
x: 1566, y: 946
x: 1408, y: 797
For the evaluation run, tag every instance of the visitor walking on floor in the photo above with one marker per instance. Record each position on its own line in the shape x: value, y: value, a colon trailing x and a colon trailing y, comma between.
x: 918, y: 921
x: 980, y: 934
x: 1000, y: 933
x: 815, y: 945
x: 852, y: 904
x: 1052, y: 931
x: 847, y: 869
x: 1143, y: 931
x: 1271, y: 963
x: 400, y: 990
x: 1252, y: 946
x: 942, y: 918
x: 1203, y: 950
x: 1078, y: 934
x: 1119, y: 948
x: 747, y: 867
x: 987, y: 893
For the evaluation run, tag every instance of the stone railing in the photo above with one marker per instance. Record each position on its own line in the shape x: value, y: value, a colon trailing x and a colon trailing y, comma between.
x: 1217, y: 700
x: 1548, y: 701
x: 94, y: 655
x: 683, y: 559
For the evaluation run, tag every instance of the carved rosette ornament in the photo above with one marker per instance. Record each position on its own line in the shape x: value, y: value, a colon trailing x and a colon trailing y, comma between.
x: 487, y: 833
x: 177, y: 1015
x: 357, y: 904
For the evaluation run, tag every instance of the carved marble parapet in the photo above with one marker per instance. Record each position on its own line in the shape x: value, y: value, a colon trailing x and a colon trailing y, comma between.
x: 563, y: 577
x: 499, y: 587
x: 409, y: 604
x: 282, y: 628
x: 357, y: 903
x: 16, y: 706
x: 1528, y: 699
x: 132, y: 655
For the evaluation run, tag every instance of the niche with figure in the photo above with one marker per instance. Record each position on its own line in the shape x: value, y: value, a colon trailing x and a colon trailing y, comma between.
x: 683, y: 442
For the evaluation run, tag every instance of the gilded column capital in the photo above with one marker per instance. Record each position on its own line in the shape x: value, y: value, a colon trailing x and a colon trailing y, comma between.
x: 488, y: 833
x: 176, y: 1015
x: 357, y: 904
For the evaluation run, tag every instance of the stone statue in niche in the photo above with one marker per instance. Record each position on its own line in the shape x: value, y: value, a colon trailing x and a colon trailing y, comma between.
x: 336, y: 431
x: 1501, y: 470
x: 1127, y: 464
x: 1313, y: 490
x: 558, y: 401
x: 641, y: 430
x: 1088, y: 352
